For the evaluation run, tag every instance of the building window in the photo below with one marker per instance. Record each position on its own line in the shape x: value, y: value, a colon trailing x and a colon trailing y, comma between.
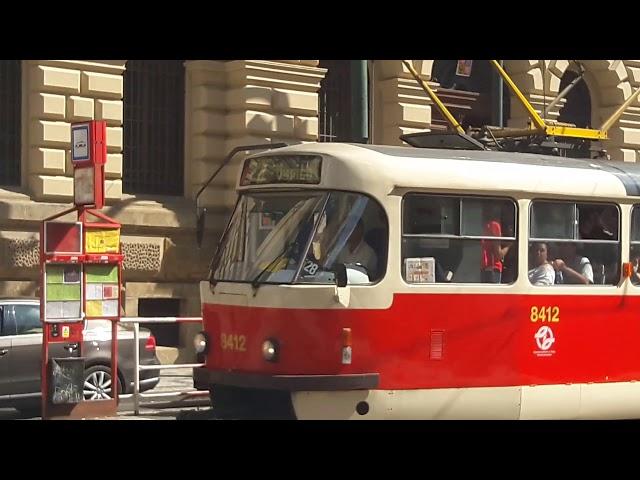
x: 468, y: 88
x: 334, y: 100
x: 577, y: 106
x: 154, y: 127
x: 10, y: 121
x: 167, y: 334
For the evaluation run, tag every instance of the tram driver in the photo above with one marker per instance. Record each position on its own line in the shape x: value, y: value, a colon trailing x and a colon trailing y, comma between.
x: 357, y: 251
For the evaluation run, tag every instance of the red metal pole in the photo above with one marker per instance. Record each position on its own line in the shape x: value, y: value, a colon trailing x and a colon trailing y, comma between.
x: 45, y: 330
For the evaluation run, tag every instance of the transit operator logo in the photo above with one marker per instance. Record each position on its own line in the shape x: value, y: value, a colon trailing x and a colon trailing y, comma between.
x: 545, y: 340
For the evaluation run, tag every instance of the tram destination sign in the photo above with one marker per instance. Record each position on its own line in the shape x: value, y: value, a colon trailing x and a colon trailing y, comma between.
x: 301, y: 169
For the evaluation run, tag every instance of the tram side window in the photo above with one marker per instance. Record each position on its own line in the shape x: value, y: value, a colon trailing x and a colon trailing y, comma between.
x: 458, y: 239
x: 634, y: 254
x: 574, y: 243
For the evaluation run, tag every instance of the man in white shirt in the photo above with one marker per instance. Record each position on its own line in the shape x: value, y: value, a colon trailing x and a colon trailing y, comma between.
x: 573, y: 268
x: 356, y: 250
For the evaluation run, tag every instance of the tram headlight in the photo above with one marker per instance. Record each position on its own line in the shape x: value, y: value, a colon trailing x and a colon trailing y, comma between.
x: 270, y: 350
x: 201, y: 342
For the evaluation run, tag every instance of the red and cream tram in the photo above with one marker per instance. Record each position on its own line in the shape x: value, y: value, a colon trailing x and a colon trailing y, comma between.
x: 371, y: 282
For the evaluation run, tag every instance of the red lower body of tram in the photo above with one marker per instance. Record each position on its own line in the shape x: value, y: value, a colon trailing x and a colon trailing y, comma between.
x: 502, y: 347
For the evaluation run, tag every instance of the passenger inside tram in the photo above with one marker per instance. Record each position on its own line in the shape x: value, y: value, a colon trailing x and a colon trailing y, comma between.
x: 570, y: 267
x: 541, y: 272
x: 600, y: 222
x: 492, y: 251
x: 634, y: 257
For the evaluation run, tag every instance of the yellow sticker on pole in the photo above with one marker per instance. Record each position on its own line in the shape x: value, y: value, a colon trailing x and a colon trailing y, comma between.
x: 102, y: 241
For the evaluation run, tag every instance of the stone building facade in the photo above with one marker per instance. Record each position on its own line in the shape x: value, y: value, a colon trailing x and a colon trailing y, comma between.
x: 225, y: 104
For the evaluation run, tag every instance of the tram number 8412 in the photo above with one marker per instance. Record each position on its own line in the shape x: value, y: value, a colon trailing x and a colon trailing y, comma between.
x: 233, y: 342
x: 545, y: 314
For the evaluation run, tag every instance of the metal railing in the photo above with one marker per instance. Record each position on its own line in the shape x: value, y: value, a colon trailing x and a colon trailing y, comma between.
x: 136, y: 395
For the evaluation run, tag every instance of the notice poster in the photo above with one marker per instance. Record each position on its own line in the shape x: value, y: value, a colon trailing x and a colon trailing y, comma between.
x: 94, y: 291
x: 110, y: 308
x: 94, y: 308
x: 80, y: 143
x: 102, y: 308
x: 60, y: 292
x: 71, y: 309
x: 102, y: 290
x: 54, y: 309
x: 464, y: 68
x: 102, y: 241
x: 109, y: 291
x: 420, y: 270
x: 102, y: 273
x: 71, y: 274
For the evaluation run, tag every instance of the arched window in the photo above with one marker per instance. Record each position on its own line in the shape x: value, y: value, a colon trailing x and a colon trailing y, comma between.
x: 577, y: 104
x: 153, y: 160
x: 10, y: 121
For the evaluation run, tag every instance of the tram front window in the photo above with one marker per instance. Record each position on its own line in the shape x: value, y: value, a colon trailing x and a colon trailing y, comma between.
x: 267, y: 237
x: 352, y: 230
x: 271, y: 233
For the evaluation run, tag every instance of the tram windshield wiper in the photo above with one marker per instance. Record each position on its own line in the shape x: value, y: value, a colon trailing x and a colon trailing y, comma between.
x: 255, y: 283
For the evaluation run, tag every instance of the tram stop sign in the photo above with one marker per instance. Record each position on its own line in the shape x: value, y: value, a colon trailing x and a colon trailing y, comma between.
x: 88, y: 157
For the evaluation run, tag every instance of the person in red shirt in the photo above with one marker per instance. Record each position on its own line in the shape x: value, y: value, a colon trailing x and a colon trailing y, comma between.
x: 492, y: 252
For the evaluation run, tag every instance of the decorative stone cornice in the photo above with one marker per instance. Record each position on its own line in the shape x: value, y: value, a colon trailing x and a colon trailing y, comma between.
x: 274, y: 74
x: 104, y: 66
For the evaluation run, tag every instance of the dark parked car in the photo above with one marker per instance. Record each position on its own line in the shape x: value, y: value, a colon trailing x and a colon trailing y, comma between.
x: 21, y: 354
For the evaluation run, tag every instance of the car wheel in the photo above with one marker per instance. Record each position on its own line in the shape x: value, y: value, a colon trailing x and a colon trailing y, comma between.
x: 97, y: 383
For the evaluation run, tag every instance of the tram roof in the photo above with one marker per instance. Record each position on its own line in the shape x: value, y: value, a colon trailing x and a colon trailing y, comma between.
x: 405, y: 167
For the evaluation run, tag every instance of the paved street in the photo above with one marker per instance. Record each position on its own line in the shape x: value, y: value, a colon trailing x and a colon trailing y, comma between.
x: 161, y: 408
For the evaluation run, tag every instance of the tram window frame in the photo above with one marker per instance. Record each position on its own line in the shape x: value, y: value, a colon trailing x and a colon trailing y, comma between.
x: 382, y: 256
x: 459, y: 236
x: 576, y: 238
x: 635, y: 276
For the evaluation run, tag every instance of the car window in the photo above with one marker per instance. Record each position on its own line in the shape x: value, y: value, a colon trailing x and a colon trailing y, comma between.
x: 27, y: 319
x: 7, y: 325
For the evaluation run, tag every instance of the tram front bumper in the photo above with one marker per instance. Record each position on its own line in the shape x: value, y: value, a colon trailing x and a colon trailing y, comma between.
x: 203, y: 379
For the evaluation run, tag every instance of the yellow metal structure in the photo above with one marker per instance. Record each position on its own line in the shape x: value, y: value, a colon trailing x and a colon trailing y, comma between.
x: 539, y: 126
x: 539, y: 122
